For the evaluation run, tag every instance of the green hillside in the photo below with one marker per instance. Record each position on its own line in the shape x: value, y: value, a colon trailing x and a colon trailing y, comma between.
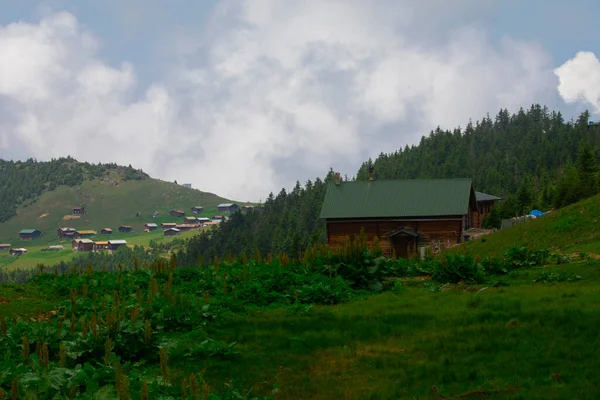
x: 108, y: 204
x: 573, y: 229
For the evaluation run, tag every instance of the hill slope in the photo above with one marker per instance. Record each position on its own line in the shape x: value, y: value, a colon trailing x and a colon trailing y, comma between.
x: 573, y: 229
x: 109, y: 201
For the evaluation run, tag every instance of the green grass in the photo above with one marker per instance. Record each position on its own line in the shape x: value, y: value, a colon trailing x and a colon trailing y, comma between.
x: 460, y: 341
x: 573, y: 229
x: 107, y: 205
x: 525, y: 340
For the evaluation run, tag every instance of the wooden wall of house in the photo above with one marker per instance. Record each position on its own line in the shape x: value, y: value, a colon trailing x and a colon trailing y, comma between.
x: 442, y: 233
x: 485, y: 207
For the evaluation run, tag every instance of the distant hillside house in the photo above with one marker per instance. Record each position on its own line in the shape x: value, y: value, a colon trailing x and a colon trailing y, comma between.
x: 85, y: 233
x: 106, y: 231
x: 177, y: 213
x: 185, y: 227
x: 100, y: 246
x: 227, y: 207
x: 113, y: 245
x: 190, y: 220
x: 5, y: 247
x: 82, y: 245
x: 203, y: 220
x: 172, y: 232
x: 150, y: 226
x: 66, y: 232
x: 125, y: 228
x: 406, y: 215
x: 78, y: 210
x: 29, y: 234
x: 167, y: 225
x: 197, y: 209
x: 18, y: 252
x: 485, y: 203
x: 247, y: 208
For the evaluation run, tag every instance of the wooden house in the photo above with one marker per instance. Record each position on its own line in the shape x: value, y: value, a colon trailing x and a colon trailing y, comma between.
x: 167, y: 225
x: 197, y: 209
x: 100, y: 246
x: 150, y: 226
x: 176, y: 213
x: 228, y: 207
x: 29, y: 234
x: 18, y: 252
x: 5, y: 247
x: 190, y: 220
x: 66, y: 233
x: 485, y: 203
x: 247, y: 208
x: 185, y: 227
x: 171, y: 232
x: 84, y: 233
x: 203, y: 220
x: 82, y: 245
x: 78, y: 210
x: 113, y: 245
x: 405, y: 215
x: 106, y: 231
x: 125, y: 228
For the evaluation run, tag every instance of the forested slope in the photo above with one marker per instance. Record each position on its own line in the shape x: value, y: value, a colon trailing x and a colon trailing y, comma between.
x: 533, y: 159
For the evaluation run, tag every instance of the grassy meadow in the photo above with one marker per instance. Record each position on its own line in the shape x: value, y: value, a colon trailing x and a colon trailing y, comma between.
x: 191, y: 332
x: 108, y: 205
x: 573, y: 229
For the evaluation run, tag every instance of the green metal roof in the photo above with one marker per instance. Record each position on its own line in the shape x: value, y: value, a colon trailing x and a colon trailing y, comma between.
x: 485, y: 197
x: 397, y: 198
x: 28, y: 231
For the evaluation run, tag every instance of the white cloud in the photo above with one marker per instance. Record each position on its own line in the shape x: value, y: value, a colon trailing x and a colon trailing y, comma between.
x: 306, y: 85
x: 579, y: 80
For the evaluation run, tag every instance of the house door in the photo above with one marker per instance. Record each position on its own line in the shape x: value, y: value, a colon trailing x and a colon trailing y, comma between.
x: 402, y: 245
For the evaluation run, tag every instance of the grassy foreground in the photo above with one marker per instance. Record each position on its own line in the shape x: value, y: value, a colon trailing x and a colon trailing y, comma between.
x: 281, y: 331
x: 528, y: 340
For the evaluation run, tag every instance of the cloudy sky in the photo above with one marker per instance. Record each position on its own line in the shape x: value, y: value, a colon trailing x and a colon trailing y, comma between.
x: 244, y: 97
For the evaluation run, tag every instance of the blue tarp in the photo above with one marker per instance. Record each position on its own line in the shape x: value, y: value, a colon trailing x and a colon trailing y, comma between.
x: 536, y: 213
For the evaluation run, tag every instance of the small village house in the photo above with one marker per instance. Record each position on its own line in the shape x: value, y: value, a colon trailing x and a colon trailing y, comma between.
x: 18, y: 252
x: 125, y: 228
x: 84, y: 233
x: 197, y: 209
x: 5, y: 247
x: 150, y: 226
x: 177, y: 213
x: 190, y: 220
x: 66, y: 233
x: 171, y: 232
x: 106, y: 231
x: 203, y: 220
x: 247, y: 208
x: 167, y: 225
x: 113, y: 245
x: 100, y: 246
x: 406, y: 215
x: 217, y: 218
x: 227, y: 207
x: 78, y: 210
x: 185, y: 227
x: 82, y: 245
x: 29, y: 234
